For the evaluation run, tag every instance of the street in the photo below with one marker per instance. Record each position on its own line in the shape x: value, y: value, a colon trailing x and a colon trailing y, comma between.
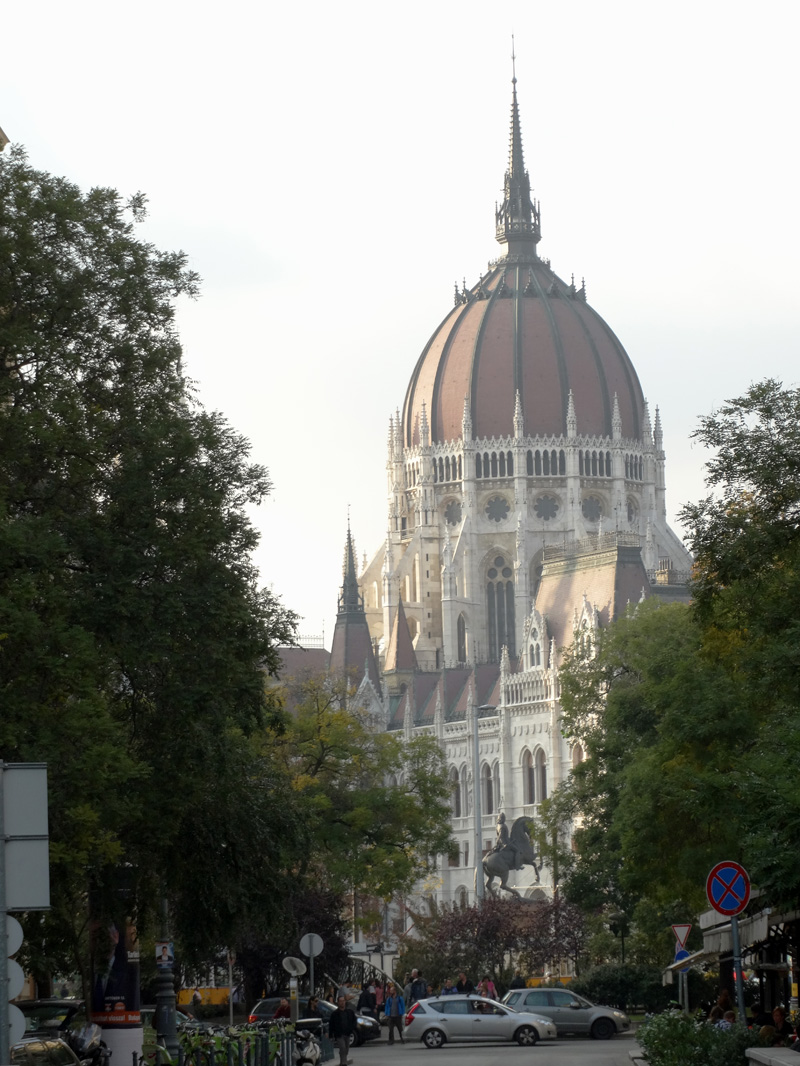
x: 566, y: 1051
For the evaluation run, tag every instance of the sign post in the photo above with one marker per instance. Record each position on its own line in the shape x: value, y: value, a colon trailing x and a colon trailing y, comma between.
x: 311, y: 945
x: 728, y: 891
x: 24, y: 877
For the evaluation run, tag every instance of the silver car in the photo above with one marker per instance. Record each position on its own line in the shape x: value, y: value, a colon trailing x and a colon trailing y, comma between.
x: 456, y: 1018
x: 571, y: 1013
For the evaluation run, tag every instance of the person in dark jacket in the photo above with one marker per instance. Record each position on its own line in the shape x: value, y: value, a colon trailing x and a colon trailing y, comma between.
x: 342, y: 1025
x: 518, y: 982
x: 367, y: 1002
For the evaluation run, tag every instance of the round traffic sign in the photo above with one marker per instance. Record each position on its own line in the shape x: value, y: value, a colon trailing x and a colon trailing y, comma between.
x: 681, y: 954
x: 311, y: 945
x: 728, y: 888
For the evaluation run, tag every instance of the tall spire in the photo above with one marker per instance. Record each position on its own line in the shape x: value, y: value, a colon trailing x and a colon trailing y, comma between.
x: 517, y: 219
x: 350, y: 598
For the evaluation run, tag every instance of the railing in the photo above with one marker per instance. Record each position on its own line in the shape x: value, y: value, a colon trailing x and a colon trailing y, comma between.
x: 595, y: 542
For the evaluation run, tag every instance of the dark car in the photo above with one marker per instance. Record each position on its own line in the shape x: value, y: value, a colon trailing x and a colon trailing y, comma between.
x: 50, y: 1017
x: 570, y: 1012
x: 366, y: 1028
x: 39, y: 1051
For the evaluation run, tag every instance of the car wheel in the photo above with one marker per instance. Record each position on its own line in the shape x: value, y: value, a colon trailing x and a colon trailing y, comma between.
x: 356, y: 1039
x: 603, y: 1029
x: 433, y: 1038
x: 526, y: 1036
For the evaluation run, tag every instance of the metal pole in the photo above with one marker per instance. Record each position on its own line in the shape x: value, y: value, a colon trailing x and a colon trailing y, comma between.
x: 476, y: 806
x: 737, y: 965
x: 230, y: 988
x: 4, y: 1052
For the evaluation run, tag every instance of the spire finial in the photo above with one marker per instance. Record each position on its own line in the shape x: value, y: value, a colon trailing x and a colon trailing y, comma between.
x: 517, y: 219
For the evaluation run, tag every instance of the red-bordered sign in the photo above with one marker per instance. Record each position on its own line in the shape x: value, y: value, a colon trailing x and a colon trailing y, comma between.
x: 728, y: 888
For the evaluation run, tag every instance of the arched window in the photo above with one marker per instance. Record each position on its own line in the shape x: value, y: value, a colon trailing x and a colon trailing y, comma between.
x: 608, y: 464
x: 540, y: 773
x: 496, y: 784
x: 528, y: 780
x: 464, y: 795
x: 627, y: 466
x: 441, y: 470
x: 459, y: 468
x: 447, y: 468
x: 487, y: 790
x: 502, y: 464
x: 494, y: 464
x: 478, y: 465
x: 562, y: 463
x: 529, y: 463
x: 455, y: 793
x: 461, y: 632
x: 510, y: 464
x: 500, y: 608
x: 546, y: 464
x: 580, y: 463
x: 594, y: 464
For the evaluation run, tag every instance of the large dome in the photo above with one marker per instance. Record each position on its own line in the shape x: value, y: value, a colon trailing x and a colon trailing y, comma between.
x: 521, y: 329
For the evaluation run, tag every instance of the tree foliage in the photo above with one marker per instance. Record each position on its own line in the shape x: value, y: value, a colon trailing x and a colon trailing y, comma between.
x: 688, y: 714
x: 374, y: 807
x: 133, y: 635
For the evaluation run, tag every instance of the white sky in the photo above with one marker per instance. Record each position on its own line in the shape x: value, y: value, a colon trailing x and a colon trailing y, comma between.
x: 332, y: 169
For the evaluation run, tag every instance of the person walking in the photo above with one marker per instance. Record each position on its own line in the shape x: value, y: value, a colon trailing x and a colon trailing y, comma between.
x: 342, y: 1025
x: 464, y: 986
x: 395, y: 1008
x: 419, y: 987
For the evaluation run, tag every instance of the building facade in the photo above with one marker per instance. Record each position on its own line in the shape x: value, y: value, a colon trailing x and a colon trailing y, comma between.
x: 525, y: 509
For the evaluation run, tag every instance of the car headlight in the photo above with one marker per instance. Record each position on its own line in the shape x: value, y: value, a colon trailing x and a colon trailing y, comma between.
x: 618, y: 1014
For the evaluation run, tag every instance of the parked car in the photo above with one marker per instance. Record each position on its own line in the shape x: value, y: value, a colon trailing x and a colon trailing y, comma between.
x: 51, y: 1016
x: 455, y: 1018
x: 570, y: 1012
x: 366, y: 1028
x: 40, y: 1051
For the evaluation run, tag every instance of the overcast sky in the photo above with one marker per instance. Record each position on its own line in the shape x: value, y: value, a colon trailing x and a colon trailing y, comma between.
x: 332, y: 169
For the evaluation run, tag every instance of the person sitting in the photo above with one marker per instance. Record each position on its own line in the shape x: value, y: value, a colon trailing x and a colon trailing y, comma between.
x: 283, y: 1010
x: 782, y: 1027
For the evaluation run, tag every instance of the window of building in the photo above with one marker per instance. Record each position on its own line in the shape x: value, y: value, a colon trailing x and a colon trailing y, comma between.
x: 500, y: 608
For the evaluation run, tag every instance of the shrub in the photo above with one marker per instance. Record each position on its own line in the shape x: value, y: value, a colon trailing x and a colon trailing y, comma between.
x: 624, y: 986
x: 676, y: 1039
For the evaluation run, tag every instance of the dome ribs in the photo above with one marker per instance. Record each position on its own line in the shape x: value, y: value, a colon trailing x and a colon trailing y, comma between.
x: 576, y: 311
x: 561, y: 363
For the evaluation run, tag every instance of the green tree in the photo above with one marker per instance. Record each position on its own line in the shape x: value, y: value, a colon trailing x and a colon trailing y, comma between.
x: 375, y: 807
x: 133, y: 636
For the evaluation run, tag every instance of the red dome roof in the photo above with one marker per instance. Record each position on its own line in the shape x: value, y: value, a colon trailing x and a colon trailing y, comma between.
x: 522, y: 329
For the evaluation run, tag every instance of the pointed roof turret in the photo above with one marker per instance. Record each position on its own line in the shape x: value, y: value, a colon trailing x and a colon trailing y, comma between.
x: 517, y: 218
x: 352, y: 653
x: 400, y: 654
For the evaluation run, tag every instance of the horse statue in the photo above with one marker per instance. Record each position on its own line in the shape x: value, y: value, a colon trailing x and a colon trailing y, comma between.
x: 515, y: 854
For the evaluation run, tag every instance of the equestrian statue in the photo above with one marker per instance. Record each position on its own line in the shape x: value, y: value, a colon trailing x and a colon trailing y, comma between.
x: 512, y: 851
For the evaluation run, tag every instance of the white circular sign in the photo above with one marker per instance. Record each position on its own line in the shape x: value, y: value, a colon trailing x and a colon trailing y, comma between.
x: 16, y: 1024
x: 16, y: 978
x: 311, y: 944
x: 13, y: 935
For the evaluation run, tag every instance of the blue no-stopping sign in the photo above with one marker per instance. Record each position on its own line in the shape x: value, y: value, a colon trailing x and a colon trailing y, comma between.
x: 728, y: 888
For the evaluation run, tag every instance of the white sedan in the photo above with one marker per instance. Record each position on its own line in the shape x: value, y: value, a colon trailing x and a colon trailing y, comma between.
x: 468, y: 1018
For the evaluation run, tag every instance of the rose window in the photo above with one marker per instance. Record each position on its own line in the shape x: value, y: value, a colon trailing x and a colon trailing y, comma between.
x: 546, y: 507
x: 592, y: 509
x: 452, y: 513
x: 497, y: 508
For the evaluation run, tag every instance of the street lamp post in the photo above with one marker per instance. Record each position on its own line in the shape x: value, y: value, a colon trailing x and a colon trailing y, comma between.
x: 166, y: 1022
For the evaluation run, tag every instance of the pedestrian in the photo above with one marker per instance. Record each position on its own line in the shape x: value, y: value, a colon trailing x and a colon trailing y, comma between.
x: 367, y: 1002
x: 448, y: 988
x: 419, y: 987
x: 463, y: 985
x: 341, y: 1026
x: 518, y: 982
x: 395, y: 1008
x: 489, y: 989
x: 430, y: 992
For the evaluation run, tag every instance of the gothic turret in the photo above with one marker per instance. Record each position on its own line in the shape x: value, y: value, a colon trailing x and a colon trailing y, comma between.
x: 352, y: 654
